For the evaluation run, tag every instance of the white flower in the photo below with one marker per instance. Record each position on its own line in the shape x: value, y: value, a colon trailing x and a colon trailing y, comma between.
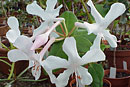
x: 23, y: 52
x: 14, y: 32
x: 101, y: 24
x: 49, y: 15
x: 74, y: 63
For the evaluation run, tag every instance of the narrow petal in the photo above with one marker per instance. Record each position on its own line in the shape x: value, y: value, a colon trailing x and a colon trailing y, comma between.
x: 62, y: 79
x: 23, y: 43
x: 98, y: 18
x: 57, y: 10
x: 115, y: 11
x: 110, y: 38
x: 31, y: 63
x: 36, y: 71
x: 46, y: 47
x: 96, y: 43
x: 91, y: 28
x: 41, y: 29
x: 69, y: 47
x: 35, y: 9
x: 17, y: 55
x: 39, y: 41
x: 13, y: 23
x: 12, y: 35
x: 86, y: 78
x: 51, y: 4
x: 81, y: 25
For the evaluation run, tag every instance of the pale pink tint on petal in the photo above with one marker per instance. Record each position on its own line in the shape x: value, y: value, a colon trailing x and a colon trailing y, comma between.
x: 46, y: 47
x: 39, y: 41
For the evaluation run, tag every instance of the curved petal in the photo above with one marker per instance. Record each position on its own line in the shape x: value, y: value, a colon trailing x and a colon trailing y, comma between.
x: 12, y: 35
x: 115, y: 11
x: 62, y: 79
x: 94, y: 55
x: 50, y: 4
x: 98, y: 18
x: 23, y: 43
x: 69, y: 47
x: 36, y: 71
x: 96, y: 43
x: 35, y: 9
x: 13, y: 23
x: 91, y: 28
x: 39, y: 41
x: 17, y: 55
x: 57, y: 10
x: 53, y: 62
x: 86, y: 78
x: 110, y: 38
x: 41, y: 29
x: 81, y: 25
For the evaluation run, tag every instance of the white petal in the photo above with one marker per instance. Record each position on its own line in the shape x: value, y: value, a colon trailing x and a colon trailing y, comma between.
x: 23, y: 43
x: 115, y: 11
x: 17, y: 55
x: 39, y: 41
x: 13, y: 23
x: 69, y: 47
x: 36, y: 71
x: 31, y: 63
x: 35, y: 9
x: 86, y: 78
x: 94, y: 55
x: 51, y: 4
x: 81, y: 25
x: 91, y: 28
x: 12, y: 35
x: 62, y: 79
x: 96, y: 43
x: 98, y: 18
x: 53, y: 62
x: 41, y: 29
x: 110, y: 38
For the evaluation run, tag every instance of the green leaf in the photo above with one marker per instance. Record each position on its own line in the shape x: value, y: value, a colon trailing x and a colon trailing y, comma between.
x: 97, y: 72
x: 70, y: 20
x: 103, y: 11
x: 83, y: 41
x: 56, y: 50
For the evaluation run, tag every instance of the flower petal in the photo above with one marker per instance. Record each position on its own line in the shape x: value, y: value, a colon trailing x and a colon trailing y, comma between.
x: 81, y: 25
x: 62, y: 79
x: 13, y: 23
x: 53, y: 62
x: 35, y: 9
x: 96, y: 43
x: 86, y: 78
x: 17, y: 55
x: 110, y: 38
x: 50, y: 4
x: 41, y: 29
x: 94, y: 55
x: 12, y: 35
x: 23, y: 43
x: 46, y: 47
x: 39, y: 41
x: 98, y: 18
x: 69, y: 47
x: 36, y: 71
x: 115, y: 11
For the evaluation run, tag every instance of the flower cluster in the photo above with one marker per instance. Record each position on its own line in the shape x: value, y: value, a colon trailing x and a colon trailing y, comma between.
x: 26, y: 46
